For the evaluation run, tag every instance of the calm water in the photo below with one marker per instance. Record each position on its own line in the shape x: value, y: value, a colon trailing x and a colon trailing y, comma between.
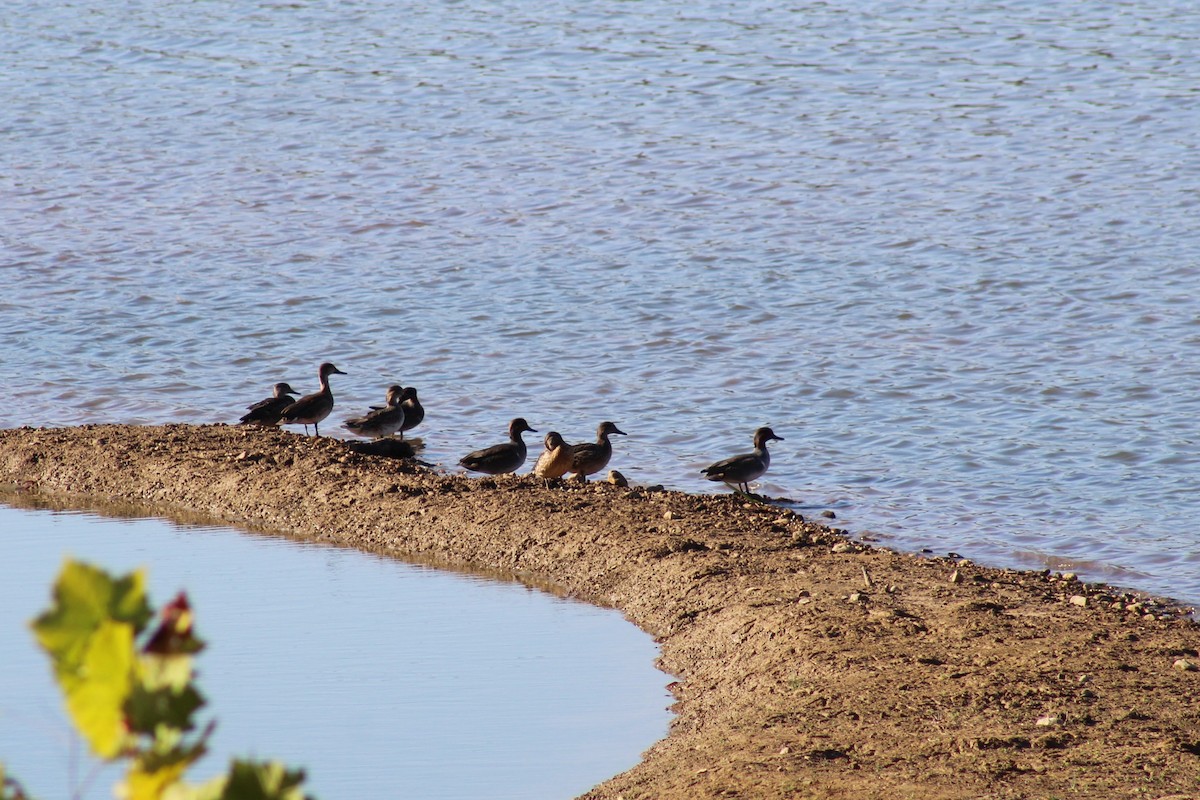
x: 949, y: 251
x: 380, y: 678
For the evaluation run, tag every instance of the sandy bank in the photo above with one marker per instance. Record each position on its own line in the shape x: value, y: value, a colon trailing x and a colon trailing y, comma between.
x: 808, y: 666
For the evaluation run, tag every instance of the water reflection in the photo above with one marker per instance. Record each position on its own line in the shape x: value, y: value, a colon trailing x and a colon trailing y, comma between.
x: 381, y: 678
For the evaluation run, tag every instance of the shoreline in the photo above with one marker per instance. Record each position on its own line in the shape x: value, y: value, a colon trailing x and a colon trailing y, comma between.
x: 807, y: 665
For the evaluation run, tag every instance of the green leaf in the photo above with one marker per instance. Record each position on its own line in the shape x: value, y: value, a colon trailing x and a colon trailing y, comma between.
x: 263, y: 780
x: 148, y: 710
x: 84, y: 597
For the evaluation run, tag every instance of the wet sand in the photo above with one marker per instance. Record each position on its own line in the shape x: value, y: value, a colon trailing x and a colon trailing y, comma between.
x: 807, y: 665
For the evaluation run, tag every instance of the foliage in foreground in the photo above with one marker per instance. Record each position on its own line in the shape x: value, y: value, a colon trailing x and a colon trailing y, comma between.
x: 130, y: 692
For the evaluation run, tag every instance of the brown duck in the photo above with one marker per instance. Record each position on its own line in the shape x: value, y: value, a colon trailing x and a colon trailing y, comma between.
x: 312, y: 408
x: 591, y: 457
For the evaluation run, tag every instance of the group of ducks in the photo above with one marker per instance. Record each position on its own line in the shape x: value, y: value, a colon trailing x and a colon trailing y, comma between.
x: 403, y: 411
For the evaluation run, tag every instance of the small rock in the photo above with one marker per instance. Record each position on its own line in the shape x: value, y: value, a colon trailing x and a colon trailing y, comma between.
x: 783, y: 751
x: 843, y: 547
x: 827, y: 514
x: 857, y: 597
x: 1078, y: 600
x: 1068, y: 576
x: 1186, y: 666
x: 669, y: 515
x: 781, y: 521
x: 617, y: 479
x: 956, y: 577
x: 1048, y: 720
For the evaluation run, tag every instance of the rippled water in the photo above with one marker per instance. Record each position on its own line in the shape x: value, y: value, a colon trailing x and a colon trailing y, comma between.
x: 379, y: 678
x: 948, y: 251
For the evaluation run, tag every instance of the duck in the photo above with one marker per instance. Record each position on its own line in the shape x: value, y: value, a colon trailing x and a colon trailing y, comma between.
x: 266, y: 412
x: 312, y: 408
x: 555, y: 460
x: 737, y: 471
x: 591, y: 457
x: 381, y: 421
x: 501, y: 458
x: 414, y: 412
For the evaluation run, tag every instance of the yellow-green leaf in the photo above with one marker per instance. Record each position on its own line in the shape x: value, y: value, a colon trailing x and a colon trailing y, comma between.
x: 99, y: 686
x: 141, y: 784
x: 210, y: 790
x: 84, y: 597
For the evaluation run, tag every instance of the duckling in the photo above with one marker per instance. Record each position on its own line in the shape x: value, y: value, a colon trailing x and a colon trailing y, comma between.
x: 591, y: 457
x: 312, y: 408
x: 555, y: 460
x: 266, y: 412
x: 381, y: 421
x: 501, y: 458
x: 737, y: 472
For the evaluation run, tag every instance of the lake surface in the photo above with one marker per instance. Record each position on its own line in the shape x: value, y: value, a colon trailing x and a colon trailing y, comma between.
x: 949, y: 251
x: 380, y: 678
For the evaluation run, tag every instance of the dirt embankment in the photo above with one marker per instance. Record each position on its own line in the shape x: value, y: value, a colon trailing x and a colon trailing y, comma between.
x: 808, y: 665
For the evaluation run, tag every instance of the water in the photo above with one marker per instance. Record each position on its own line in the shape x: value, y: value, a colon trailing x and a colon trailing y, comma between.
x: 948, y: 251
x: 381, y: 679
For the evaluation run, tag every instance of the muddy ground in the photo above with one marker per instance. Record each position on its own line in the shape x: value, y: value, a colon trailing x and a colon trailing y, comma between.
x: 807, y: 665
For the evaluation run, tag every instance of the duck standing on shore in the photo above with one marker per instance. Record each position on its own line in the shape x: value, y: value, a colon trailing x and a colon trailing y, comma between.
x: 737, y: 472
x: 591, y: 457
x: 312, y: 408
x: 381, y: 421
x: 555, y: 460
x: 501, y: 458
x: 266, y: 412
x: 414, y: 412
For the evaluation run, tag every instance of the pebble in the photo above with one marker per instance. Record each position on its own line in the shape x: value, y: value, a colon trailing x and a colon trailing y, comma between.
x: 1079, y: 600
x: 1186, y: 666
x: 617, y: 479
x: 1048, y: 720
x: 827, y: 514
x: 670, y: 515
x: 843, y: 547
x: 956, y: 577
